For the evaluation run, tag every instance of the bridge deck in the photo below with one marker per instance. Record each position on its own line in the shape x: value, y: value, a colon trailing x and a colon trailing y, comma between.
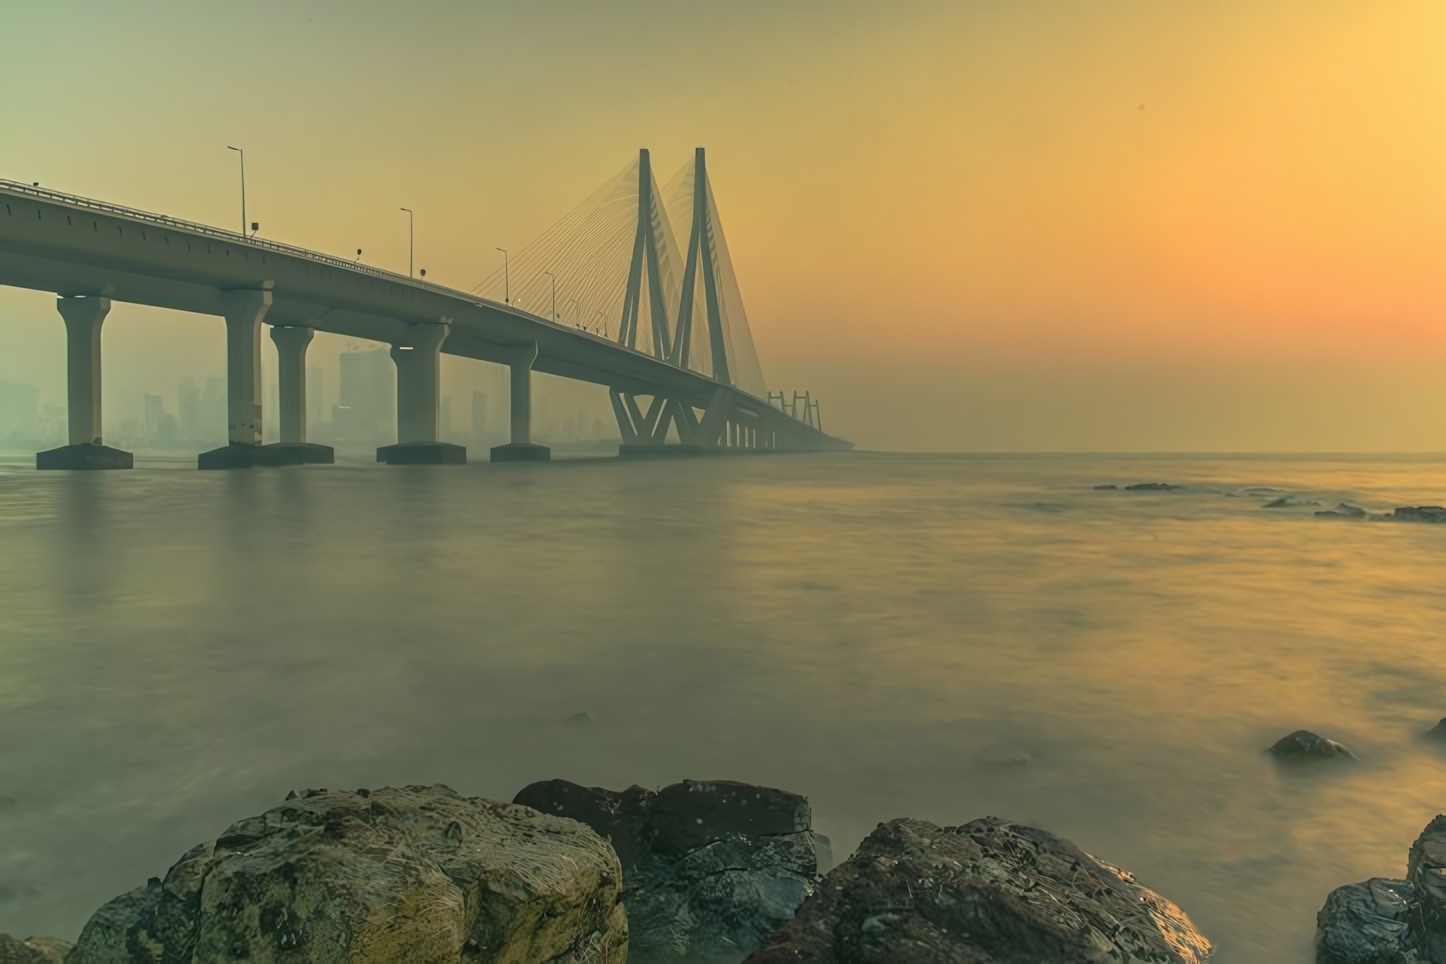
x: 76, y: 246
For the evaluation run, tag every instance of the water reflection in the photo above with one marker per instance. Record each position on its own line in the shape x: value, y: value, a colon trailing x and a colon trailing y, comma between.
x: 891, y: 636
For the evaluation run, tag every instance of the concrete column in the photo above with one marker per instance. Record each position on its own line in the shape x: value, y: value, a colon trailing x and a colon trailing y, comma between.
x: 244, y: 311
x: 419, y: 392
x: 521, y: 389
x: 521, y: 449
x: 291, y: 379
x: 419, y: 381
x: 83, y: 315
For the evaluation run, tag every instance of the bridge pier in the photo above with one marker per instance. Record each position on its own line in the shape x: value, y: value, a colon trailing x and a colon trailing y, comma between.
x: 521, y: 448
x: 83, y: 316
x: 243, y: 310
x: 419, y: 380
x: 291, y: 344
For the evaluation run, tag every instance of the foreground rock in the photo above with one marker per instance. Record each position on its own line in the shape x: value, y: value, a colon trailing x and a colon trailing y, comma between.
x: 1437, y: 733
x: 1303, y: 745
x: 711, y: 868
x: 989, y: 892
x: 1385, y: 921
x: 1365, y: 923
x: 417, y: 874
x: 33, y: 950
x: 1153, y: 487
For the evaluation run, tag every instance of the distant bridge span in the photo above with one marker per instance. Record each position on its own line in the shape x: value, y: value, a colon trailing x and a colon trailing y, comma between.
x: 91, y: 253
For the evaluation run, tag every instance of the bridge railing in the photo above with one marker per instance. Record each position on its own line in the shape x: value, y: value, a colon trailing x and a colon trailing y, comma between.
x: 166, y: 220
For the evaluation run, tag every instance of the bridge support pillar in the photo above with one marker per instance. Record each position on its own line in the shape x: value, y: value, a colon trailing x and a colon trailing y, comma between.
x: 83, y: 316
x: 419, y: 380
x: 291, y: 344
x: 521, y: 448
x: 243, y: 310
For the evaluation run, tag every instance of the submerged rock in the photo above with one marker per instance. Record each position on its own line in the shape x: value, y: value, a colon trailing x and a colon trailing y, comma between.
x: 989, y: 892
x: 1152, y: 487
x: 1304, y: 745
x: 1106, y: 488
x: 33, y: 950
x: 416, y: 874
x: 1289, y: 502
x: 1365, y: 923
x: 1437, y: 733
x: 1420, y: 513
x: 711, y: 868
x: 1342, y: 511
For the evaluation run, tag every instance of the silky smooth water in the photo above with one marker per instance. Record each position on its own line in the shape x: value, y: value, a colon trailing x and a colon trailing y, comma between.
x: 941, y: 637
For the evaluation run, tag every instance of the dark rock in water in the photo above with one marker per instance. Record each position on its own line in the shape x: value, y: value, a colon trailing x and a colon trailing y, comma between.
x: 1366, y: 923
x: 1106, y: 488
x: 1426, y: 870
x: 1288, y: 502
x: 1437, y: 733
x: 415, y: 874
x: 33, y: 950
x: 1420, y: 513
x: 1152, y: 487
x: 710, y: 868
x: 1304, y: 745
x: 1342, y: 511
x: 989, y: 892
x: 580, y: 718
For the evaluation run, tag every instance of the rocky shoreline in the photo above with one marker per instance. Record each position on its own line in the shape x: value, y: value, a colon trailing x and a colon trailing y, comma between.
x: 705, y: 871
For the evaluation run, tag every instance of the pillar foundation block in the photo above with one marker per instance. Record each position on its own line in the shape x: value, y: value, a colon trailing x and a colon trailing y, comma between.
x: 521, y: 452
x: 240, y: 456
x: 304, y: 453
x: 86, y: 455
x: 423, y: 453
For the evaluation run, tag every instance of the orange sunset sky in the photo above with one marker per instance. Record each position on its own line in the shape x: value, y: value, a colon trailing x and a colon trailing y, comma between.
x: 1061, y: 225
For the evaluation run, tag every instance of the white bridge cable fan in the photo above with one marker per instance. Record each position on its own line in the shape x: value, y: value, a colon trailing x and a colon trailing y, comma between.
x: 622, y: 276
x: 587, y: 252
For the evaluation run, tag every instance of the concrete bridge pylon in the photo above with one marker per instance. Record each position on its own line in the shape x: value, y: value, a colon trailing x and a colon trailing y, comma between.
x: 83, y: 315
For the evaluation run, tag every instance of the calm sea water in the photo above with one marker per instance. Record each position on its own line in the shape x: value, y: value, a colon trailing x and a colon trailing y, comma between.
x: 932, y: 636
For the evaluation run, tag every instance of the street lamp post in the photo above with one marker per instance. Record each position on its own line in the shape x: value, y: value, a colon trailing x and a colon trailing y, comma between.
x: 554, y: 295
x: 243, y: 186
x: 411, y: 240
x: 506, y: 279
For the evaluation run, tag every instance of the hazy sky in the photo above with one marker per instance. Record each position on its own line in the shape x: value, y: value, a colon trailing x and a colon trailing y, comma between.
x: 1070, y: 224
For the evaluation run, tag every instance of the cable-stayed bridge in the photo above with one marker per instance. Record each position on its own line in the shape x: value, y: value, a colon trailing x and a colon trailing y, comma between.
x: 612, y: 294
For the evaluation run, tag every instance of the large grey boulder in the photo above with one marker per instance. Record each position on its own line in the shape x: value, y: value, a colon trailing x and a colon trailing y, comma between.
x: 1365, y: 923
x: 988, y: 892
x: 33, y: 950
x: 711, y: 867
x: 415, y: 874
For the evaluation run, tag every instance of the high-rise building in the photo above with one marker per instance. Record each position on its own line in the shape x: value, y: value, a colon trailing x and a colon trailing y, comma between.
x: 479, y: 417
x: 368, y: 396
x: 19, y: 410
x: 154, y: 408
x: 188, y: 409
x: 315, y: 396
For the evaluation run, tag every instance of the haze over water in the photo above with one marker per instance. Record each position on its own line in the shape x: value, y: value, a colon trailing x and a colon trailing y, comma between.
x: 933, y: 636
